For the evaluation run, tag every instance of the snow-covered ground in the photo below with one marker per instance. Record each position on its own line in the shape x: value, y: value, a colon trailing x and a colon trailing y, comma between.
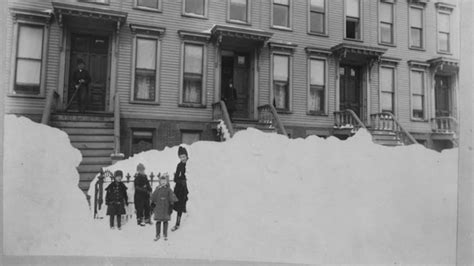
x: 256, y: 197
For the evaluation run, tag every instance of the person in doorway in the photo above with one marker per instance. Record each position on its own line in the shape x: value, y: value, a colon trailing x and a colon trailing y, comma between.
x: 142, y: 196
x: 229, y: 96
x: 116, y: 199
x: 181, y: 187
x: 81, y: 80
x: 162, y: 201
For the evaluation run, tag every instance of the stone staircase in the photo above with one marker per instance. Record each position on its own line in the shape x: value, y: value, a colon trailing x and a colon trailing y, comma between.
x: 93, y: 135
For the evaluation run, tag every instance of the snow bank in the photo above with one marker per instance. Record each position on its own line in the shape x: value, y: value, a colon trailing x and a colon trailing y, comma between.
x: 260, y: 197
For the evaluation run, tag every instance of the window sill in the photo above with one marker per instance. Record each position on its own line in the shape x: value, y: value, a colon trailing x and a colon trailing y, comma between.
x: 314, y: 113
x: 318, y: 34
x: 445, y: 52
x: 353, y: 40
x: 388, y: 44
x: 26, y: 96
x: 190, y: 15
x: 285, y: 112
x: 192, y: 105
x: 422, y: 120
x: 148, y: 9
x: 417, y: 49
x: 239, y: 22
x: 281, y: 28
x: 143, y: 102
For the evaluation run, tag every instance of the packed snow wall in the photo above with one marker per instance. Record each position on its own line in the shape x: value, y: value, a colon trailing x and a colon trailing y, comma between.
x: 258, y: 196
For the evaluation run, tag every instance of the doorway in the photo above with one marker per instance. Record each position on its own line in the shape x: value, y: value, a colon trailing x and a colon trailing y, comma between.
x: 350, y: 83
x: 442, y: 96
x: 93, y: 50
x: 236, y: 71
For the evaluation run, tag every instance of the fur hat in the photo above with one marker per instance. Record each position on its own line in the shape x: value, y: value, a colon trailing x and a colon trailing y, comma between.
x: 140, y: 166
x: 182, y: 150
x: 165, y: 176
x: 118, y: 173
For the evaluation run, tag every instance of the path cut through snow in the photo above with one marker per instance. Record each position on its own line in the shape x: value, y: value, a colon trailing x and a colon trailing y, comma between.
x: 256, y: 197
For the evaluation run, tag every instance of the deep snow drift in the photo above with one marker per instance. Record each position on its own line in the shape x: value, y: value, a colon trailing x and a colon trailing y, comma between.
x: 258, y: 196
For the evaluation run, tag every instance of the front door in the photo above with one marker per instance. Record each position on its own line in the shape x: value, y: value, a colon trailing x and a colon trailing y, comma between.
x: 93, y: 50
x: 350, y: 88
x: 236, y: 71
x: 442, y: 96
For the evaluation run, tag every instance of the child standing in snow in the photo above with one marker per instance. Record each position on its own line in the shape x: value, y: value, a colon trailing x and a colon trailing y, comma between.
x: 181, y: 187
x: 162, y: 200
x: 116, y: 198
x: 142, y: 196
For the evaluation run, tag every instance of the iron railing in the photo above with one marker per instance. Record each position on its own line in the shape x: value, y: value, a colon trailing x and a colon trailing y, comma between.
x: 267, y: 114
x: 386, y: 121
x: 347, y: 119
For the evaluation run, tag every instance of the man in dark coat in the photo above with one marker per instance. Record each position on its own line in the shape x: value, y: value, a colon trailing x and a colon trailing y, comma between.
x: 142, y: 196
x: 181, y: 187
x: 116, y: 198
x: 81, y: 80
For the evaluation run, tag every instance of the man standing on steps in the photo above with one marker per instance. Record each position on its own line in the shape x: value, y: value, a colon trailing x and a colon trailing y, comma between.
x: 81, y: 80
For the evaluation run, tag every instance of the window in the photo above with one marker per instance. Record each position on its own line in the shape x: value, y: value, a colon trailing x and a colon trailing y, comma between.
x: 145, y: 69
x: 189, y: 137
x: 386, y: 22
x: 281, y: 82
x: 417, y: 86
x: 193, y: 73
x: 317, y: 16
x: 142, y: 140
x: 238, y: 10
x: 416, y: 27
x: 148, y: 4
x: 353, y: 19
x: 195, y: 7
x: 444, y: 28
x: 387, y: 89
x: 317, y: 86
x: 281, y: 13
x: 29, y: 60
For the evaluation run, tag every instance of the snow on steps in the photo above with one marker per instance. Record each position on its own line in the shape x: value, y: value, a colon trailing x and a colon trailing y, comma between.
x: 242, y: 124
x: 93, y: 135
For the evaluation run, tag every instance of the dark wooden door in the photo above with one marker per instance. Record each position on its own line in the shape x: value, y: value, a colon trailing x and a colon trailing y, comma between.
x: 241, y: 83
x: 350, y: 88
x: 442, y: 96
x: 93, y: 50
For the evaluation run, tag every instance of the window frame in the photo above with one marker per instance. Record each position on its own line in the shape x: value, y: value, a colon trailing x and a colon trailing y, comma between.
x: 290, y: 17
x: 190, y: 131
x: 438, y: 32
x: 423, y: 27
x: 325, y: 110
x: 361, y: 28
x: 181, y: 102
x: 393, y: 67
x: 249, y: 20
x: 393, y: 23
x: 144, y: 8
x: 326, y: 20
x: 193, y: 15
x: 424, y: 89
x: 36, y: 21
x: 290, y: 79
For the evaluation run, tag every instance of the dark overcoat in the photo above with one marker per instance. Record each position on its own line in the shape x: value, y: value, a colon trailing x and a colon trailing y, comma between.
x: 142, y: 190
x: 162, y: 199
x: 181, y: 188
x: 116, y: 198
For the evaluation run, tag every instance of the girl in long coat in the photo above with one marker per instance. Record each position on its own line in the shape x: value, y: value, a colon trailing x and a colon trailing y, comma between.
x: 116, y: 198
x: 162, y: 200
x: 181, y: 187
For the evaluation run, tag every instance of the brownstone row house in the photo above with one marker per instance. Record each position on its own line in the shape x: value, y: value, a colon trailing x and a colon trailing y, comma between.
x: 160, y: 68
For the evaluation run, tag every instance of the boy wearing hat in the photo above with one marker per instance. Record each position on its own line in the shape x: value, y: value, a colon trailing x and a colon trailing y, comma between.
x: 181, y: 187
x: 81, y: 80
x: 142, y: 196
x: 116, y: 198
x: 162, y: 200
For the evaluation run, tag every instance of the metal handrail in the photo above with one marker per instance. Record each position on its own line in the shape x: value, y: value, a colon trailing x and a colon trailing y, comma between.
x: 275, y: 118
x: 223, y: 114
x: 398, y: 128
x: 48, y: 108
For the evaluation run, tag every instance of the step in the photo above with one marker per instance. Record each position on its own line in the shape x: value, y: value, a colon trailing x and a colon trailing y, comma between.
x: 91, y: 138
x: 104, y: 117
x: 96, y: 153
x: 79, y: 124
x: 88, y: 176
x: 385, y: 137
x: 94, y: 145
x: 89, y: 131
x: 89, y: 168
x: 100, y: 160
x: 388, y: 143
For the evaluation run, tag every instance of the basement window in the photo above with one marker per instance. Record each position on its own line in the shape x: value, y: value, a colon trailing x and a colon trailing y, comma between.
x: 142, y: 140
